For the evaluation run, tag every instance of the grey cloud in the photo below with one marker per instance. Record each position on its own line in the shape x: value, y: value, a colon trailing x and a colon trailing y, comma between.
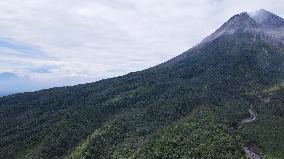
x: 9, y: 46
x: 94, y: 39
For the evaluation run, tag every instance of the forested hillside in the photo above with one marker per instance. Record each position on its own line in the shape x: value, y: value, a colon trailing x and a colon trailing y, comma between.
x: 188, y: 107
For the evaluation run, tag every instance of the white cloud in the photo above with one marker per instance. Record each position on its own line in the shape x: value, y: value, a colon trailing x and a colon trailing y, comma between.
x: 94, y: 39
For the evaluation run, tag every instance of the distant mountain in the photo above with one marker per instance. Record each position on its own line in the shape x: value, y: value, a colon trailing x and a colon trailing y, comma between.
x: 10, y: 83
x: 11, y: 52
x: 8, y: 76
x: 188, y: 107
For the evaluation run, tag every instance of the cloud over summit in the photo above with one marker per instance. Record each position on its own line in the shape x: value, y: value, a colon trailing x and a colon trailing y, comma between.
x: 82, y: 41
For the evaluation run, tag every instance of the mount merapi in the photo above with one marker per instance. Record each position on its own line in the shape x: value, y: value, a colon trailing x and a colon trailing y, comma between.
x: 187, y: 107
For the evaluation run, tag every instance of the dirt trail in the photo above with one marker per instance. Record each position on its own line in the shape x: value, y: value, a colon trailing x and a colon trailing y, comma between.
x: 251, y: 118
x: 249, y: 152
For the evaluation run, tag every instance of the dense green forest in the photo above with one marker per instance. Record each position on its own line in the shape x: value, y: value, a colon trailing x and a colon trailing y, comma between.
x: 188, y: 107
x: 186, y: 110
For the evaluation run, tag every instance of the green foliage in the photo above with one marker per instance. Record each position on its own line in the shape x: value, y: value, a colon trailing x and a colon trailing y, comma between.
x: 148, y: 112
x: 204, y: 137
x: 266, y: 133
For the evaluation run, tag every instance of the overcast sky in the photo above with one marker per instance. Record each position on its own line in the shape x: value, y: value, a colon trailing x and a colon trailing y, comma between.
x: 78, y: 41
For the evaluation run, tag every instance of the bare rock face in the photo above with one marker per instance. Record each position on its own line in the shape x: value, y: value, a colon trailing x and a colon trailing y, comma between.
x: 269, y: 24
x: 267, y: 19
x: 262, y: 22
x: 239, y: 23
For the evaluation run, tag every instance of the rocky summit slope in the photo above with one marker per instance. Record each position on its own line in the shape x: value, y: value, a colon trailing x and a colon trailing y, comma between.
x: 187, y: 107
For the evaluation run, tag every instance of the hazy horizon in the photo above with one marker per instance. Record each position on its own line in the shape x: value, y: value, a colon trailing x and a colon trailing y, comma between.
x: 47, y: 45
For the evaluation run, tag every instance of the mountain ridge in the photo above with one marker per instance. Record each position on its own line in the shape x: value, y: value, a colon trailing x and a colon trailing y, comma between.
x: 184, y: 108
x: 243, y: 22
x: 8, y: 76
x: 267, y: 18
x: 257, y: 22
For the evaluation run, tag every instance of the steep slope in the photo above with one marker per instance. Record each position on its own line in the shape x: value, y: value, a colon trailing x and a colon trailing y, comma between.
x: 262, y: 24
x: 186, y: 107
